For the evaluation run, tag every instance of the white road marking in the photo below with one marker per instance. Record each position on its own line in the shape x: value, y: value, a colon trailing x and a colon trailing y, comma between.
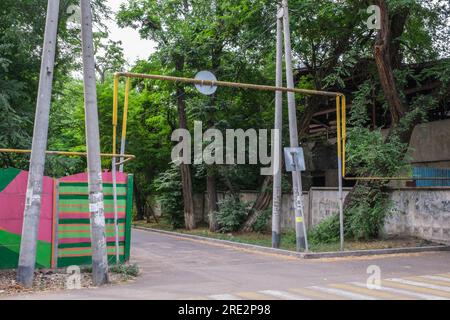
x: 224, y: 297
x: 356, y: 296
x: 400, y: 291
x: 436, y: 278
x: 421, y: 284
x: 347, y: 294
x: 283, y: 295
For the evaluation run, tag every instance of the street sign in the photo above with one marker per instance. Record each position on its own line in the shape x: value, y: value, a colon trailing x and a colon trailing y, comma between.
x: 206, y: 89
x: 294, y: 159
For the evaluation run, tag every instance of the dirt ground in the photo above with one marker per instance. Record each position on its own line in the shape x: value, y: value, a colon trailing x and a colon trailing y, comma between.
x: 48, y: 280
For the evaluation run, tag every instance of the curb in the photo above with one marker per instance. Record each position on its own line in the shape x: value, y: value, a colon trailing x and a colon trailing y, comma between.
x: 300, y: 255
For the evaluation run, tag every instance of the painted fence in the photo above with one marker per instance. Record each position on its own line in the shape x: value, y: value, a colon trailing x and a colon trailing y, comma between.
x: 64, y: 234
x: 425, y: 172
x: 13, y: 188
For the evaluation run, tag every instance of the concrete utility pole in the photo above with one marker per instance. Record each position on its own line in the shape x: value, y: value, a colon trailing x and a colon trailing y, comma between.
x: 300, y: 229
x: 32, y: 212
x: 96, y: 205
x: 277, y: 170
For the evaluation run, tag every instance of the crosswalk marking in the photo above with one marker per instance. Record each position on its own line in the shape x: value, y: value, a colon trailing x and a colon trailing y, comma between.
x: 402, y: 292
x: 427, y: 287
x: 430, y: 281
x: 422, y: 284
x: 445, y: 275
x: 367, y: 291
x: 254, y: 296
x: 195, y: 298
x: 355, y: 296
x: 224, y: 297
x: 283, y: 295
x: 415, y: 288
x: 316, y: 294
x: 437, y: 278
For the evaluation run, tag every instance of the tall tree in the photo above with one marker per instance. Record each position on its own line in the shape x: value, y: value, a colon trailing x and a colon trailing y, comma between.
x: 366, y: 204
x: 167, y: 24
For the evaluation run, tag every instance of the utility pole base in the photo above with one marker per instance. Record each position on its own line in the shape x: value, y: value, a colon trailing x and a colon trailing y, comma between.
x: 99, y: 276
x: 301, y: 244
x: 25, y: 276
x: 276, y: 240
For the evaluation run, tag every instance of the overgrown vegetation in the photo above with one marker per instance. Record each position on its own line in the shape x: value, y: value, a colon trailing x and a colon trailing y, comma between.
x: 168, y: 188
x: 325, y: 232
x: 126, y: 269
x: 231, y: 214
x: 372, y: 154
x: 261, y: 223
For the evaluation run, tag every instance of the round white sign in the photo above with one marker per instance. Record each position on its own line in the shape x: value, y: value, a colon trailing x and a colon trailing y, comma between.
x: 206, y: 89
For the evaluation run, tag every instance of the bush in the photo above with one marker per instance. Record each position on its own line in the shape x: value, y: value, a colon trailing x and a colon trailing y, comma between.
x: 362, y: 221
x: 231, y: 214
x: 365, y: 218
x: 131, y: 270
x: 260, y: 224
x: 326, y: 231
x: 289, y: 237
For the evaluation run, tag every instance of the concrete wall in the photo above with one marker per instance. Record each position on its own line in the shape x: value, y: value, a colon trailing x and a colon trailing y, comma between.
x: 424, y: 213
x: 322, y: 202
x: 430, y: 144
x: 419, y: 212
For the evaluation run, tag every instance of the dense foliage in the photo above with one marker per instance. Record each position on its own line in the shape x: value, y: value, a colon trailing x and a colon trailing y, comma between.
x: 231, y: 214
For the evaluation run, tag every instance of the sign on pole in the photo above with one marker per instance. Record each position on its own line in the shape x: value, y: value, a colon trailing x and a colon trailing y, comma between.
x: 207, y: 90
x: 294, y: 159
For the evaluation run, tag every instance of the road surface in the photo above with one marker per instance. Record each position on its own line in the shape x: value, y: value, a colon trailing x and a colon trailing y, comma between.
x: 177, y: 268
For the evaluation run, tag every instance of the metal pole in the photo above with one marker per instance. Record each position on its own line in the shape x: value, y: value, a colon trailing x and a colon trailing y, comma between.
x: 341, y: 206
x: 96, y: 205
x: 74, y: 154
x: 277, y: 192
x: 123, y: 141
x: 114, y: 166
x: 340, y: 173
x: 227, y: 84
x: 300, y: 229
x: 116, y: 218
x: 32, y: 211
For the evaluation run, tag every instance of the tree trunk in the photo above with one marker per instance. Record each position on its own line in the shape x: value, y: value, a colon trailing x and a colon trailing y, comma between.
x: 384, y: 59
x: 140, y: 202
x: 262, y: 203
x: 211, y: 185
x: 212, y: 170
x: 186, y: 178
x: 212, y: 201
x: 231, y: 189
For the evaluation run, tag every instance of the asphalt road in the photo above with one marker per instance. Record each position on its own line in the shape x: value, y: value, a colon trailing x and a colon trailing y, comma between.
x: 177, y: 268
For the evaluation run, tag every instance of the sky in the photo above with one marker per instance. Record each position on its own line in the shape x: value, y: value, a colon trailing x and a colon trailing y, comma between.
x: 134, y: 47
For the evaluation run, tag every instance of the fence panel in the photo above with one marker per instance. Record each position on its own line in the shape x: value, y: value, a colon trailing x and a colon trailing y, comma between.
x: 74, y: 225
